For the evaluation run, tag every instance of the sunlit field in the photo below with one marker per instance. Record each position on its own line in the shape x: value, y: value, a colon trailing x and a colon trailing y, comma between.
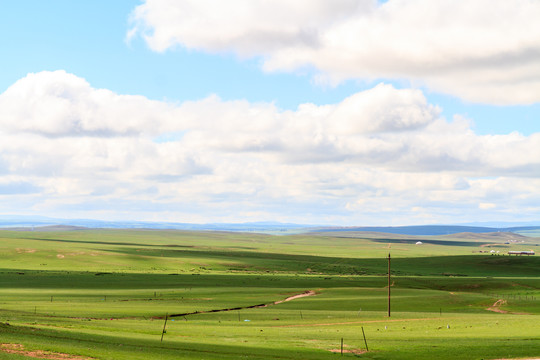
x: 141, y: 294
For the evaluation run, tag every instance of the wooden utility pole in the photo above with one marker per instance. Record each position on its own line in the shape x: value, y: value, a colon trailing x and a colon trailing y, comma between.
x: 388, y: 284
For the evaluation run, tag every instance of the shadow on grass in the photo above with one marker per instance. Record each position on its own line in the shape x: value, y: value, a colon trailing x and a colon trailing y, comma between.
x: 432, y: 242
x: 458, y: 265
x: 124, y: 347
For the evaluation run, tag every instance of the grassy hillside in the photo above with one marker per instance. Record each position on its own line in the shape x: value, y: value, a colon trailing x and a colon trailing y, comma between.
x: 104, y: 294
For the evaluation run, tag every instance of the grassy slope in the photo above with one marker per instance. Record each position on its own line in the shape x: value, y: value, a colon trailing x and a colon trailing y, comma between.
x: 109, y: 287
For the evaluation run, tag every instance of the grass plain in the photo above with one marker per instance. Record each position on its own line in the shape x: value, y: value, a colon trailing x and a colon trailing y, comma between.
x: 104, y: 294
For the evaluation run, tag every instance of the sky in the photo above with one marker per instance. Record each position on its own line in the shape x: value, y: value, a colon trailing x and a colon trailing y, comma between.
x: 334, y: 112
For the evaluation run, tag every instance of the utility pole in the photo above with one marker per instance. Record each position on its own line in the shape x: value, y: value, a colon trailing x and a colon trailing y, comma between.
x: 388, y: 284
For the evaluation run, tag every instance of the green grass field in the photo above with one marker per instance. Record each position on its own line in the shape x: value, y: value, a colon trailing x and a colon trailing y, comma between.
x: 104, y: 294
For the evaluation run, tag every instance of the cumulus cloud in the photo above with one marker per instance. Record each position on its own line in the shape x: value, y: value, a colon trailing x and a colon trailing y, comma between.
x: 378, y: 156
x: 61, y: 104
x: 483, y: 50
x: 219, y: 26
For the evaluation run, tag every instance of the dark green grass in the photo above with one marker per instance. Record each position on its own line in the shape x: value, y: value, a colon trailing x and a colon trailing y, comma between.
x: 153, y: 295
x: 185, y: 252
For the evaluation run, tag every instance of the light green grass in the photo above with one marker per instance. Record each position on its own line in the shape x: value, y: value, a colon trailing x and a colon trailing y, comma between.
x: 108, y: 293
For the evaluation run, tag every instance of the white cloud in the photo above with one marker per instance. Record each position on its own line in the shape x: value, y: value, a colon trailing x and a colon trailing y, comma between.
x: 61, y: 104
x: 483, y: 50
x: 380, y: 156
x: 220, y: 26
x: 486, y: 206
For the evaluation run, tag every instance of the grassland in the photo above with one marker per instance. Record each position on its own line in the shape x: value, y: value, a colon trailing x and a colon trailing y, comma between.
x: 104, y: 294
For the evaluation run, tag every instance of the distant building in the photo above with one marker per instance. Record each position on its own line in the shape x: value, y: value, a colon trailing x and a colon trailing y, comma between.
x: 528, y: 253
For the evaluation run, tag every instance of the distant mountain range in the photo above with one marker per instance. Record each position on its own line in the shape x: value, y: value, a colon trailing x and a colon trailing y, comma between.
x: 30, y: 222
x: 428, y: 229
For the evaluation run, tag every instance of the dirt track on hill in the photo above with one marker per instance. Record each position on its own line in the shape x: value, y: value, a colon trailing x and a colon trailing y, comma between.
x: 290, y: 298
x: 496, y: 307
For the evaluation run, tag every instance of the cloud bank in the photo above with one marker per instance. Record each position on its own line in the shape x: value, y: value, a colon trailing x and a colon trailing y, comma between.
x: 484, y: 51
x: 380, y: 156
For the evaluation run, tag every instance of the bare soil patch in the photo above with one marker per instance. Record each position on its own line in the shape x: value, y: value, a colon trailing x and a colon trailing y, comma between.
x: 294, y: 297
x: 496, y: 307
x: 349, y: 351
x: 28, y: 251
x: 39, y: 354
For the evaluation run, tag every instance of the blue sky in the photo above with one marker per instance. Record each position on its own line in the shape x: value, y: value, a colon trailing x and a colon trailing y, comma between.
x: 220, y: 95
x: 89, y: 39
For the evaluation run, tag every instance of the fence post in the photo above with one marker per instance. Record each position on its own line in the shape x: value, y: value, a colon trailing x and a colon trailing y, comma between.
x: 164, y: 325
x: 365, y: 342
